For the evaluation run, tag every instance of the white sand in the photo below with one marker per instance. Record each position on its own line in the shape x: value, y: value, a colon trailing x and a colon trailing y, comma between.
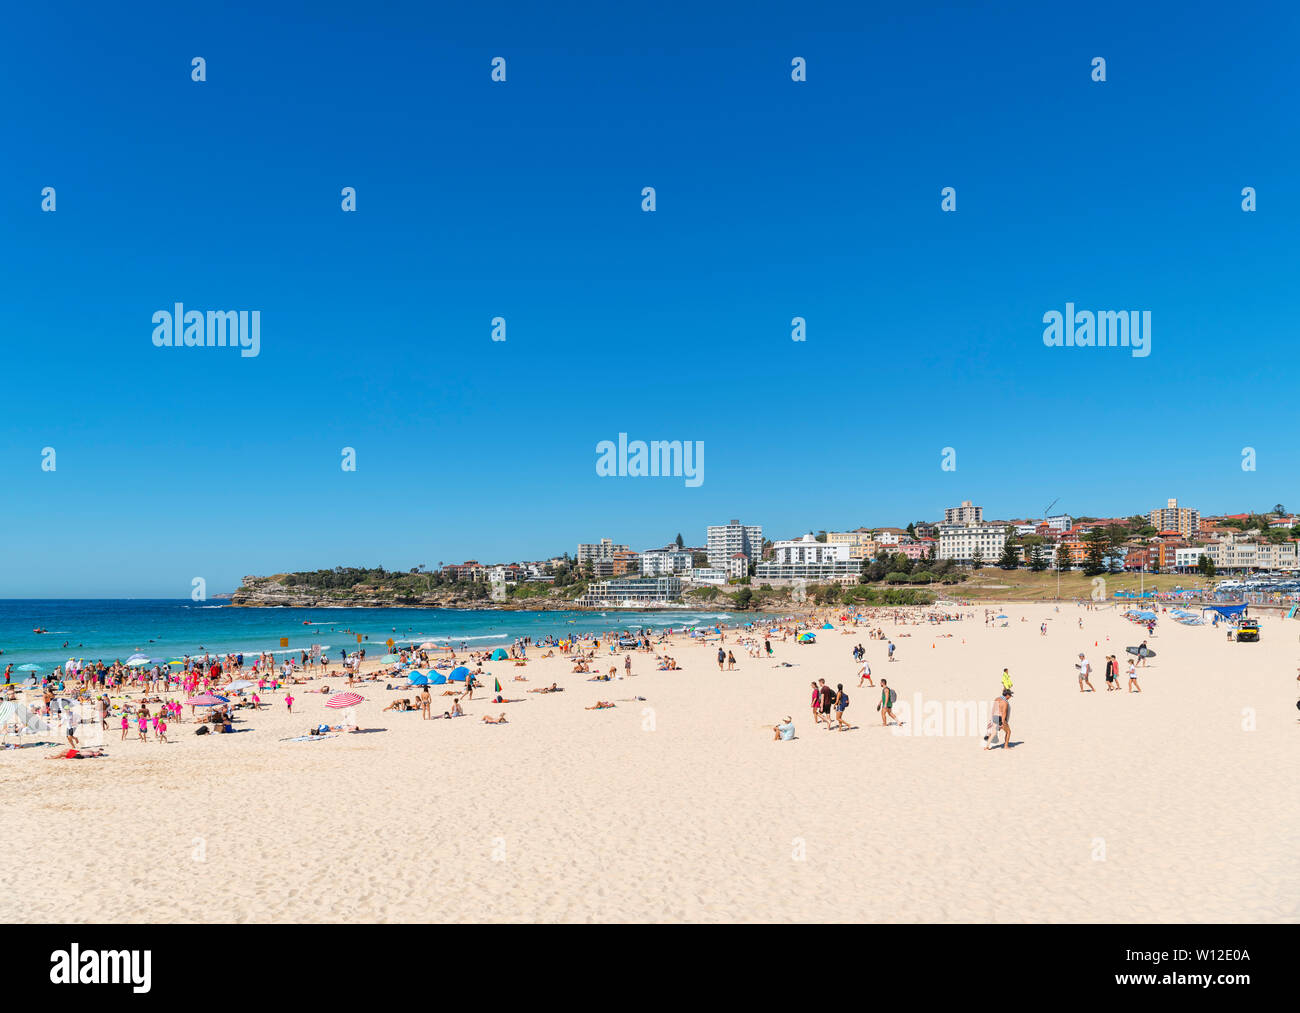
x: 1113, y: 807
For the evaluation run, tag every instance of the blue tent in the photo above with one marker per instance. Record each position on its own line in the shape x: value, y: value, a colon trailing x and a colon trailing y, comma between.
x: 437, y: 680
x: 418, y: 679
x: 827, y: 626
x: 458, y: 674
x: 1227, y: 611
x: 499, y: 654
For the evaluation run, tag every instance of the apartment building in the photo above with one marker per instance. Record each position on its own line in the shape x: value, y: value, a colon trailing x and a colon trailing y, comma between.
x: 1172, y: 517
x: 725, y: 540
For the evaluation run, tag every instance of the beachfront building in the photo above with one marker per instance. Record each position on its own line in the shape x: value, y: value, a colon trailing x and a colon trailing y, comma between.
x: 725, y: 540
x: 1187, y: 558
x: 964, y: 515
x: 919, y: 549
x: 1172, y: 517
x: 709, y: 575
x: 808, y: 559
x: 661, y: 562
x: 738, y: 566
x: 890, y: 537
x: 960, y: 542
x: 639, y: 592
x: 1060, y: 523
x: 589, y: 552
x: 1232, y: 555
x: 862, y: 544
x: 621, y: 563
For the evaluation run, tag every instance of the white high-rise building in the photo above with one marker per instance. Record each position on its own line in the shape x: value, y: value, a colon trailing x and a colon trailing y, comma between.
x: 725, y: 540
x: 589, y: 552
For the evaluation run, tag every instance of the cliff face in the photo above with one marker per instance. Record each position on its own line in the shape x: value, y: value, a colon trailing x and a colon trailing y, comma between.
x: 267, y: 592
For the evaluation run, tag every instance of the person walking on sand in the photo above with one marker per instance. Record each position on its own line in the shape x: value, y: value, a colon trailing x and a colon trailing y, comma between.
x: 288, y: 701
x: 841, y: 705
x: 722, y: 658
x: 816, y: 704
x: 828, y: 700
x: 891, y: 654
x: 864, y: 674
x: 1133, y: 686
x: 1085, y: 670
x: 1000, y: 721
x: 887, y: 698
x: 627, y: 664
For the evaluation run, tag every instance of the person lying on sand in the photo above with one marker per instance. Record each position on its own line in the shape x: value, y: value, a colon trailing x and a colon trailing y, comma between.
x: 76, y: 754
x: 521, y: 678
x: 552, y: 688
x: 403, y: 704
x: 501, y: 720
x: 600, y: 705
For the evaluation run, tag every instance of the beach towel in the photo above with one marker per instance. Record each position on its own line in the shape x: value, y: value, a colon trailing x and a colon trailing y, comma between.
x: 311, y: 738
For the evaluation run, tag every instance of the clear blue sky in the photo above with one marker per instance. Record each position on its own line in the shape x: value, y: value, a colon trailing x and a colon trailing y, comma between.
x: 775, y: 200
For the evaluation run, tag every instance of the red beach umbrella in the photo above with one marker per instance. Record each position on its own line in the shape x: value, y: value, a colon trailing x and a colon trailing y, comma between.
x: 341, y: 700
x: 205, y: 700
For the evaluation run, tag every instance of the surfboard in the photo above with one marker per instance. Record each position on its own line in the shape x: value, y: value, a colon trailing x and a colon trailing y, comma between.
x: 1141, y: 652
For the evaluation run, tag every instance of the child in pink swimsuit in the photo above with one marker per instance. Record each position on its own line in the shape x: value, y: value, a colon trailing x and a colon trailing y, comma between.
x: 288, y: 701
x: 126, y: 724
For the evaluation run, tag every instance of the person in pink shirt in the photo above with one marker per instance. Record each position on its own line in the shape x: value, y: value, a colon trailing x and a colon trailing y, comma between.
x: 288, y: 702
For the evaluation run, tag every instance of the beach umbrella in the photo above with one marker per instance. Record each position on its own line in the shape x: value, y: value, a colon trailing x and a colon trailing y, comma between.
x: 388, y: 659
x: 827, y: 626
x: 428, y: 645
x: 458, y: 674
x: 205, y: 700
x: 29, y: 667
x: 137, y: 663
x: 340, y: 701
x: 241, y: 684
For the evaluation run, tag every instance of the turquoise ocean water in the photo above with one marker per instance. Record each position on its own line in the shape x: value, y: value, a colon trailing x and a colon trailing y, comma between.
x: 95, y: 629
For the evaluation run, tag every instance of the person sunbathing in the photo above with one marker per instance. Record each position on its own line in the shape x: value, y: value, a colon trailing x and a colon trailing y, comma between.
x: 488, y: 719
x: 403, y: 704
x: 552, y: 688
x: 600, y: 705
x: 599, y: 678
x: 76, y: 754
x: 456, y: 711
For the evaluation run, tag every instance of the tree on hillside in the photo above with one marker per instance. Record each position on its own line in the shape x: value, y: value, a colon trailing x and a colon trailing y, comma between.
x: 977, y: 560
x: 1037, y: 559
x: 911, y: 528
x: 1095, y: 560
x: 744, y: 597
x: 1279, y: 509
x: 1063, y: 557
x: 1010, y: 558
x: 681, y: 542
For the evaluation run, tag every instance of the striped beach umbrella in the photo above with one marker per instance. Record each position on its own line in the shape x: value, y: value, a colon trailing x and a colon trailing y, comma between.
x: 205, y: 700
x: 340, y: 701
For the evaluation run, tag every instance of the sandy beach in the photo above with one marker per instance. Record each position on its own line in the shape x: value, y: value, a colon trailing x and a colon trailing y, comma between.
x: 1176, y: 804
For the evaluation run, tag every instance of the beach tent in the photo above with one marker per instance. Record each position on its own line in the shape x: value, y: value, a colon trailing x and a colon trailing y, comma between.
x: 827, y: 626
x: 16, y: 717
x: 1227, y: 611
x: 458, y: 674
x: 500, y: 654
x: 1294, y: 610
x: 418, y: 679
x: 437, y: 679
